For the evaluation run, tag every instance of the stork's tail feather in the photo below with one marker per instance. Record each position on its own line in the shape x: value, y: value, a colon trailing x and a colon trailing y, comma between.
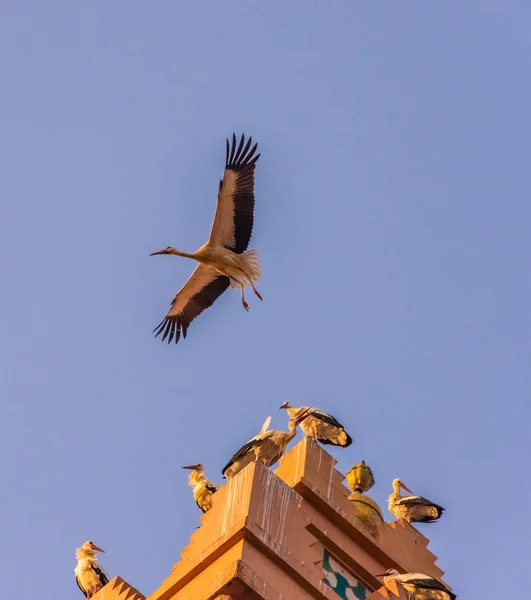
x: 250, y: 263
x: 252, y: 260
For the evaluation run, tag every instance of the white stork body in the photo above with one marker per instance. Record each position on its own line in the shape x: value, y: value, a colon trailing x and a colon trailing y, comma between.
x: 203, y: 488
x: 90, y: 577
x: 267, y: 447
x: 224, y: 260
x: 320, y: 426
x: 414, y: 509
x: 419, y: 586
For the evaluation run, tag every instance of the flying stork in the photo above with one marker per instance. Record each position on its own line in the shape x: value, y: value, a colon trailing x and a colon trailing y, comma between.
x: 203, y: 488
x: 414, y: 509
x: 419, y: 586
x: 320, y: 426
x: 224, y: 260
x: 90, y: 577
x: 267, y: 447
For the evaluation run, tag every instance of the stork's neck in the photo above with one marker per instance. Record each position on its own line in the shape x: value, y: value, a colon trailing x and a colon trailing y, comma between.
x: 183, y: 254
x: 396, y: 492
x: 292, y: 432
x: 196, y: 478
x: 86, y: 557
x: 393, y: 498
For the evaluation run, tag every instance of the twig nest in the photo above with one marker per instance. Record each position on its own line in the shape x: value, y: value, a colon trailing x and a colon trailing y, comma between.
x: 360, y: 477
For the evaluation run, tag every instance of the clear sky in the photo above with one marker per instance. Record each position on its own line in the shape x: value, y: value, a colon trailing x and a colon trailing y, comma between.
x: 393, y: 217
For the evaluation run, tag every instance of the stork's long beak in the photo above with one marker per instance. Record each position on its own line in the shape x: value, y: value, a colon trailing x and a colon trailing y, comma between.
x: 159, y: 252
x: 96, y: 549
x: 380, y: 575
x: 191, y: 467
x: 283, y: 405
x: 402, y: 485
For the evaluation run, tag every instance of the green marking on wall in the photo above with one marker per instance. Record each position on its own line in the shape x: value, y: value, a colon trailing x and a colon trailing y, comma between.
x: 344, y: 584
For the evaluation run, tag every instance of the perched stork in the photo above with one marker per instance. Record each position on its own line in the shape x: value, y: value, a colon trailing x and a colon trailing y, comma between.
x: 419, y: 586
x: 224, y: 259
x: 90, y: 577
x: 320, y: 426
x: 414, y: 509
x: 267, y: 447
x: 203, y: 487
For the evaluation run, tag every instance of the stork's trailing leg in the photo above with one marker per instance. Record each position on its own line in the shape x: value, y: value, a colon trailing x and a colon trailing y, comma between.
x: 256, y: 292
x: 245, y: 305
x: 252, y: 284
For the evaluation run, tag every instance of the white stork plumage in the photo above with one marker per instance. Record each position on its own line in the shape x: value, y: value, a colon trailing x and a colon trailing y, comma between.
x: 414, y: 509
x: 203, y: 488
x: 419, y: 586
x: 90, y: 577
x: 224, y: 259
x: 267, y: 447
x: 320, y: 426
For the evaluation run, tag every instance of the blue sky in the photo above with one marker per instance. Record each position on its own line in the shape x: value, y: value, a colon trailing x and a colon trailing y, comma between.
x: 393, y: 220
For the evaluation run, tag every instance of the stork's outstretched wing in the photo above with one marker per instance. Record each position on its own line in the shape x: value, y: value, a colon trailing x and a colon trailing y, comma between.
x: 198, y: 293
x: 233, y: 223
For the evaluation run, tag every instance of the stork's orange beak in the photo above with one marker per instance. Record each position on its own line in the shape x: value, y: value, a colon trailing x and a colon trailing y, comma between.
x: 191, y: 467
x: 403, y: 485
x: 380, y: 575
x: 285, y: 405
x: 159, y: 252
x: 96, y: 549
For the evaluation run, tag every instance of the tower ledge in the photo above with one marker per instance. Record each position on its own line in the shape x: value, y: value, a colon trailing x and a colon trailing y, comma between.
x: 118, y: 589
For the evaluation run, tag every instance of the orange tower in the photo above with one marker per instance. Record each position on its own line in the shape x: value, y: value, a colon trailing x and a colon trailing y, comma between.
x: 291, y: 534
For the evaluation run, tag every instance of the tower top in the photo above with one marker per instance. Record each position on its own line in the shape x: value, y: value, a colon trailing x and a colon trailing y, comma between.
x: 292, y: 533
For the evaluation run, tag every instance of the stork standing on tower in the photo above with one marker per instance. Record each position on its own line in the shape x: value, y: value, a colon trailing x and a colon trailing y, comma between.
x: 413, y: 509
x: 320, y: 426
x: 90, y: 577
x: 203, y: 488
x: 224, y: 260
x: 419, y: 586
x: 267, y: 447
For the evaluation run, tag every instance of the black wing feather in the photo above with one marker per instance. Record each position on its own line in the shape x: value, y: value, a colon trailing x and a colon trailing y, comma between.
x: 413, y: 501
x: 79, y: 586
x: 102, y: 576
x: 176, y: 325
x: 417, y: 501
x: 326, y: 418
x: 431, y: 584
x: 242, y: 161
x: 322, y: 416
x: 254, y: 443
x: 325, y: 441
